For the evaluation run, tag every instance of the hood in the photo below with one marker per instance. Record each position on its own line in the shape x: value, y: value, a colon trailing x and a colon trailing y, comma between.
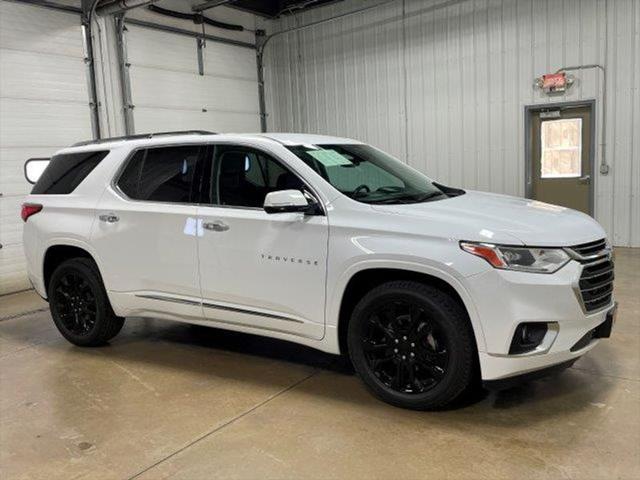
x: 479, y: 216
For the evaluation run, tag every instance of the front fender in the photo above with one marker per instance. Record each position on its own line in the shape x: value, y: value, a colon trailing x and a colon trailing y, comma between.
x: 440, y: 272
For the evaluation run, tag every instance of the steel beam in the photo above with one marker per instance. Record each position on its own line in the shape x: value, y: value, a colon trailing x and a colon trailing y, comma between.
x: 210, y: 4
x: 122, y: 6
x: 189, y: 33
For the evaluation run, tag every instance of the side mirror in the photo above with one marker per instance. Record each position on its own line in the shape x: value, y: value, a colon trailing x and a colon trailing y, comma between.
x: 284, y: 201
x: 34, y: 167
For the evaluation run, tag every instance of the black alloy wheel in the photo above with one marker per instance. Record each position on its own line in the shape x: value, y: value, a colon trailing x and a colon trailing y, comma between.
x: 404, y: 348
x: 412, y: 344
x: 79, y: 304
x: 75, y: 302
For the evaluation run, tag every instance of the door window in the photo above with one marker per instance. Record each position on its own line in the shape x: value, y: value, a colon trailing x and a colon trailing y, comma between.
x: 242, y: 177
x: 561, y: 152
x: 162, y: 174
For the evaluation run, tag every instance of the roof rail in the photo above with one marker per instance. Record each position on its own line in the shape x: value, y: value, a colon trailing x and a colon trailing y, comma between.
x: 141, y: 136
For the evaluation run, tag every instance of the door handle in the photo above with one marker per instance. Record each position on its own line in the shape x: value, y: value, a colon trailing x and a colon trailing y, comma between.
x: 109, y: 218
x: 216, y: 226
x: 585, y: 179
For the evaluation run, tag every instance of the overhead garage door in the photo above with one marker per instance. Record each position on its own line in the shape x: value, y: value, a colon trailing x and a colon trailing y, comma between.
x: 43, y: 107
x: 169, y: 94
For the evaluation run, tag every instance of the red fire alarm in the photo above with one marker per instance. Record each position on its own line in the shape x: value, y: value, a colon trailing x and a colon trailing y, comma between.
x: 554, y: 82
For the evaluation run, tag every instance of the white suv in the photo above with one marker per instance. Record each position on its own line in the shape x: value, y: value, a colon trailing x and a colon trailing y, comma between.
x: 323, y: 241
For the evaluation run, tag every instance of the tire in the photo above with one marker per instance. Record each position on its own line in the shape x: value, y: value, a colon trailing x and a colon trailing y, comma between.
x: 412, y: 345
x: 79, y: 304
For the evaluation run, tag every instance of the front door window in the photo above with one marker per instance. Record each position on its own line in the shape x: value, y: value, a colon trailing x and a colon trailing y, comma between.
x: 243, y: 177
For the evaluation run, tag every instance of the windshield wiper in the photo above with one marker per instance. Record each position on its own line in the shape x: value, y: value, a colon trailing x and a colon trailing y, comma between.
x: 406, y: 199
x: 429, y: 196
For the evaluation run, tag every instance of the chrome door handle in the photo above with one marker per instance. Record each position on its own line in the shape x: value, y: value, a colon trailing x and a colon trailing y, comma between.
x: 585, y: 179
x: 216, y: 226
x: 109, y: 218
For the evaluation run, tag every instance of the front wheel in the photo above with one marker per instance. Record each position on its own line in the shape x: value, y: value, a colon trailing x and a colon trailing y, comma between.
x: 79, y: 304
x: 412, y: 345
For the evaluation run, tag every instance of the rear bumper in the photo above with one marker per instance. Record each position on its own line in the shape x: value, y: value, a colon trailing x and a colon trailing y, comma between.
x: 34, y: 256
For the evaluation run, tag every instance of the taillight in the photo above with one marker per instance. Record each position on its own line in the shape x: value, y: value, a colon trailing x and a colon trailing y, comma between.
x: 29, y: 209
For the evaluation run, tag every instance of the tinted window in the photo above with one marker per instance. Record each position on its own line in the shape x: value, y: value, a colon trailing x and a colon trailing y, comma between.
x: 243, y: 177
x: 65, y: 172
x: 161, y: 174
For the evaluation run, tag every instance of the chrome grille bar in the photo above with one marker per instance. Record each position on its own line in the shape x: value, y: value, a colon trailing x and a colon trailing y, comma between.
x: 595, y: 286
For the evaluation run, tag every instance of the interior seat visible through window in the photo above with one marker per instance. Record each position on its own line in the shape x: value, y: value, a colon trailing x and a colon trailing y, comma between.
x: 246, y: 176
x: 288, y: 181
x: 234, y: 187
x: 163, y: 174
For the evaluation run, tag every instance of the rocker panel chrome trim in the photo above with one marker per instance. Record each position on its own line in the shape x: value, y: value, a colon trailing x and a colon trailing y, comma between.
x: 183, y: 301
x: 218, y: 306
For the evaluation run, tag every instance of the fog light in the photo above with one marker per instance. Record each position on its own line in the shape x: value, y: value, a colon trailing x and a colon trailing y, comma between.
x: 528, y: 337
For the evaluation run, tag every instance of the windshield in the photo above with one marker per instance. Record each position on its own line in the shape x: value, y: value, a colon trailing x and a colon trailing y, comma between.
x: 368, y: 175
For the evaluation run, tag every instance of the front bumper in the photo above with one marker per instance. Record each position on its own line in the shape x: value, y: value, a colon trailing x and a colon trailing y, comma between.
x: 504, y: 299
x: 510, y: 382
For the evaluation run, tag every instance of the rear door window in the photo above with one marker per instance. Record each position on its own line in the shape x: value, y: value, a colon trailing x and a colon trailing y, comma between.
x: 65, y: 172
x: 166, y: 174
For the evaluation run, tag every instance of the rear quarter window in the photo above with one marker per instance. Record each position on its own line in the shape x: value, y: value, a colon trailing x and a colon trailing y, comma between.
x: 162, y: 174
x: 65, y: 172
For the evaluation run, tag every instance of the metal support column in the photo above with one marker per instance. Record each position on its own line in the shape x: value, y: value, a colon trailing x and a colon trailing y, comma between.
x: 125, y: 81
x: 89, y: 61
x: 200, y: 45
x: 260, y: 43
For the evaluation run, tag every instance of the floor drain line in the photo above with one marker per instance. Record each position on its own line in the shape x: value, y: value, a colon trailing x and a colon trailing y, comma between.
x: 22, y: 314
x: 227, y: 423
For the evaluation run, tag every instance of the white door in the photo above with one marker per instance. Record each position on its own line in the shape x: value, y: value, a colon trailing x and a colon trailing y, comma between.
x: 265, y: 271
x: 44, y: 106
x: 169, y: 93
x: 145, y: 234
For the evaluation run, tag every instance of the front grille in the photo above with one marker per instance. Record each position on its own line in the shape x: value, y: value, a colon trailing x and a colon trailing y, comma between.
x: 596, y: 280
x: 590, y: 248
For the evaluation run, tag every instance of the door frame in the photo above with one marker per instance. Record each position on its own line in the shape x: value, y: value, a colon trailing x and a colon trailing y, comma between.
x: 529, y: 110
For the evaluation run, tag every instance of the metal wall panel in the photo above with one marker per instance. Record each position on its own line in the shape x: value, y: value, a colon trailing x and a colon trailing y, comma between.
x: 444, y: 88
x: 43, y: 107
x: 169, y: 94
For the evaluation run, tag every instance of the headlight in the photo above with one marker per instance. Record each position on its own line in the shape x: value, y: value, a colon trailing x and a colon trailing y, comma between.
x: 536, y: 260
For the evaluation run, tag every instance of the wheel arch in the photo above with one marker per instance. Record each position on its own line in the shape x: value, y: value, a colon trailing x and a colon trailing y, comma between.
x: 366, y: 278
x: 57, y: 253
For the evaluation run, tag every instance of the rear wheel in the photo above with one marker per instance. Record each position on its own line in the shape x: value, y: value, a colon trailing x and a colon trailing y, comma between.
x: 79, y: 304
x: 412, y: 345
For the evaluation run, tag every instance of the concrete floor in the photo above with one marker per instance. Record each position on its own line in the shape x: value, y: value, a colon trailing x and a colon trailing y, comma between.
x: 172, y: 400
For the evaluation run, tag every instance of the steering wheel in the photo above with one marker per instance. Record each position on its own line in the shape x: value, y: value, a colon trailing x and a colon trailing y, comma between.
x: 361, y: 188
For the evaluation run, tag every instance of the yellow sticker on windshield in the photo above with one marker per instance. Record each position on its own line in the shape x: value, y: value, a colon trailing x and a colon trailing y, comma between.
x: 329, y: 158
